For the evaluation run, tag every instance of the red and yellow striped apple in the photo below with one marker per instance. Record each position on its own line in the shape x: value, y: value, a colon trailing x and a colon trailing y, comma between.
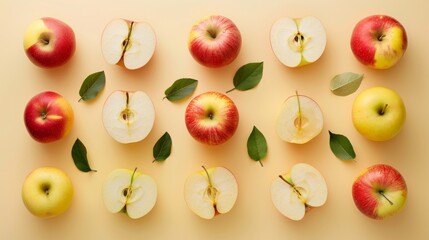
x: 211, y: 118
x: 379, y: 41
x: 49, y: 42
x: 379, y: 191
x: 214, y: 41
x: 48, y: 117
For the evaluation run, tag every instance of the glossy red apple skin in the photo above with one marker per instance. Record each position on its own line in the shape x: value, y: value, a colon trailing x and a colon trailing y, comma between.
x: 48, y: 117
x: 214, y: 41
x: 211, y: 118
x: 367, y: 186
x: 370, y: 50
x: 49, y: 42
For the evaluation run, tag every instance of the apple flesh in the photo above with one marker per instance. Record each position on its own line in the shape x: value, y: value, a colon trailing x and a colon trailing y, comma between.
x: 302, y: 188
x: 211, y: 118
x: 378, y: 113
x: 128, y: 117
x: 47, y: 192
x: 298, y: 42
x: 49, y: 42
x: 300, y: 120
x: 130, y: 192
x: 127, y: 43
x: 214, y: 41
x: 48, y: 117
x: 379, y: 191
x: 379, y: 41
x: 211, y: 191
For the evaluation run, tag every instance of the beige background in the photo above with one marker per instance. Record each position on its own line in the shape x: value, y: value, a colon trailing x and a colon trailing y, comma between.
x: 253, y: 216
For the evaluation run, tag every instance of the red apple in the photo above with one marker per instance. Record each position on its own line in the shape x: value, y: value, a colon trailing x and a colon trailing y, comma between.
x: 48, y: 117
x: 379, y: 41
x: 214, y: 41
x: 49, y: 42
x: 379, y: 191
x: 211, y: 118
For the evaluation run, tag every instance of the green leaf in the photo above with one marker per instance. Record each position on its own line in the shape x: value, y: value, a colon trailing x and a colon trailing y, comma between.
x: 162, y: 148
x: 341, y: 146
x: 248, y: 76
x: 92, y: 85
x: 346, y: 83
x: 79, y: 156
x: 180, y: 89
x: 257, y: 145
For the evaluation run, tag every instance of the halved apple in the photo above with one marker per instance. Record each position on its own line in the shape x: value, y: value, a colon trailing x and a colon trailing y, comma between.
x: 302, y: 188
x: 211, y: 191
x: 128, y: 43
x: 297, y: 42
x: 300, y: 119
x: 128, y: 116
x: 129, y: 191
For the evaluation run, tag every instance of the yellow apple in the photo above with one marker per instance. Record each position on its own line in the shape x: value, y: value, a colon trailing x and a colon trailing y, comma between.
x: 47, y: 192
x: 378, y: 113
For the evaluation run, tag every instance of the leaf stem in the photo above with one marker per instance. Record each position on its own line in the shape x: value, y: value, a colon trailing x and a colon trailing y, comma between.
x: 260, y: 162
x: 230, y: 90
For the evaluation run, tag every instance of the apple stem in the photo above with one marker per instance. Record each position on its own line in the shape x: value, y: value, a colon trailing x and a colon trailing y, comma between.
x: 299, y: 111
x: 383, y: 110
x: 127, y: 40
x: 290, y: 184
x: 382, y: 194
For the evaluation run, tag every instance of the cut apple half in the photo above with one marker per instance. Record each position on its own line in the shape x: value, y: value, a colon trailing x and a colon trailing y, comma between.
x: 302, y: 188
x: 128, y: 43
x: 130, y: 192
x: 300, y: 120
x: 128, y: 116
x: 211, y: 191
x: 297, y: 42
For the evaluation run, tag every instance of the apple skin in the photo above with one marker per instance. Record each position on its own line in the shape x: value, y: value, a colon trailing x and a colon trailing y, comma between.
x: 374, y: 182
x: 379, y: 41
x: 49, y: 42
x: 48, y: 117
x: 214, y: 41
x: 47, y: 192
x: 373, y: 119
x: 211, y: 118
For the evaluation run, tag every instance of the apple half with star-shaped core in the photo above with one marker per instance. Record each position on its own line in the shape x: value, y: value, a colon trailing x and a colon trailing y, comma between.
x: 128, y: 43
x: 214, y: 41
x: 301, y: 189
x: 128, y: 116
x: 211, y: 191
x: 48, y: 117
x: 211, y: 118
x: 130, y: 192
x: 47, y: 192
x: 300, y: 119
x: 298, y: 41
x: 49, y: 42
x: 379, y: 41
x: 379, y: 191
x: 378, y: 113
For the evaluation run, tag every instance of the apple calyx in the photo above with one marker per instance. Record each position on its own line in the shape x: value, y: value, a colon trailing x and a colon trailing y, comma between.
x: 211, y: 190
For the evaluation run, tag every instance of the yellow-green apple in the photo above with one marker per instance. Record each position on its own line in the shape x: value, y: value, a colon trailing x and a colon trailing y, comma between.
x: 379, y: 191
x: 379, y: 41
x: 128, y: 43
x: 211, y: 118
x: 300, y: 119
x: 130, y: 192
x: 214, y: 41
x: 299, y: 190
x: 211, y: 191
x: 378, y: 113
x: 298, y: 41
x: 49, y: 42
x: 47, y: 192
x: 128, y: 116
x: 48, y: 117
